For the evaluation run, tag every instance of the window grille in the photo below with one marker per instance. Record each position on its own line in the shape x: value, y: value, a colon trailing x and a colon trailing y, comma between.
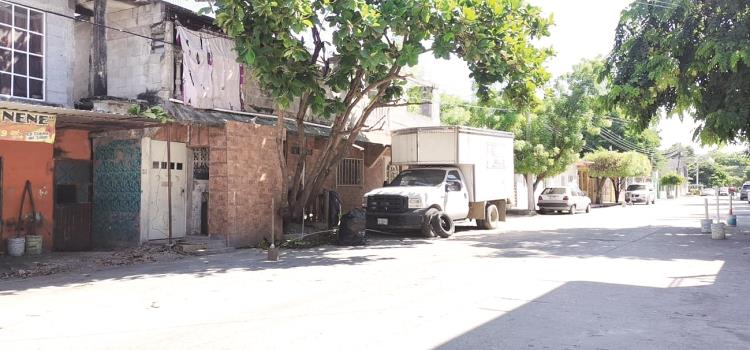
x: 350, y: 172
x: 21, y: 51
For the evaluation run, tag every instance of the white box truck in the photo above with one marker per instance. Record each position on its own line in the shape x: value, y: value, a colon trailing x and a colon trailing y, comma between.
x: 452, y: 173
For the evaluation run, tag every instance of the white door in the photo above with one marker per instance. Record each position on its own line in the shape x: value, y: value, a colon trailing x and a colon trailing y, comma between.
x: 456, y: 202
x: 158, y: 190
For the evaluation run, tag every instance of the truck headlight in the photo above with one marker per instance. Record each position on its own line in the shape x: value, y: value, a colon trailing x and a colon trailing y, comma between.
x: 364, y: 201
x: 415, y: 203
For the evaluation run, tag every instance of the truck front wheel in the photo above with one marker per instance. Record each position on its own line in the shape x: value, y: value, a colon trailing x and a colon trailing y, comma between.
x: 427, y: 230
x: 491, y: 218
x: 443, y: 225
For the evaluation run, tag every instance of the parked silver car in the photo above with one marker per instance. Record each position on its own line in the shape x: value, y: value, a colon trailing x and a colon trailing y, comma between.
x: 640, y: 193
x: 744, y: 190
x: 561, y: 199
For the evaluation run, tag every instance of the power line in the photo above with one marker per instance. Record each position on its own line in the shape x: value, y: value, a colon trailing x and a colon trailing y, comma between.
x: 81, y: 20
x: 626, y: 142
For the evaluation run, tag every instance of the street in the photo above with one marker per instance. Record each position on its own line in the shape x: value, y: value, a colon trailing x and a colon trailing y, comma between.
x: 640, y: 277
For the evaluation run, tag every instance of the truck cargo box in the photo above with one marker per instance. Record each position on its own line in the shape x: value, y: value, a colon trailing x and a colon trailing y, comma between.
x: 484, y: 156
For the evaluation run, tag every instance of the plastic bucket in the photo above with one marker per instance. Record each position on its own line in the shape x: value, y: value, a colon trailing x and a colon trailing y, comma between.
x: 706, y: 225
x: 732, y: 220
x: 33, y: 244
x: 717, y: 231
x: 16, y: 246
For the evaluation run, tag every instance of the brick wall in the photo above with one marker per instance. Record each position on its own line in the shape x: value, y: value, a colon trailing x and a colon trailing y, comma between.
x: 244, y: 177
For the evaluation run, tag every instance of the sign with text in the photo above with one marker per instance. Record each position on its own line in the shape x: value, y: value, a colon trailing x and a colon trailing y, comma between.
x: 27, y: 126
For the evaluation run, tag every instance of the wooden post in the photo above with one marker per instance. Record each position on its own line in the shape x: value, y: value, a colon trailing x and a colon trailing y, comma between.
x: 99, y: 49
x: 169, y: 182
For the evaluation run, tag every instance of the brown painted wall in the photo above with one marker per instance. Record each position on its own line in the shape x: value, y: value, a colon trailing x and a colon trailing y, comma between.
x: 27, y: 161
x: 72, y: 144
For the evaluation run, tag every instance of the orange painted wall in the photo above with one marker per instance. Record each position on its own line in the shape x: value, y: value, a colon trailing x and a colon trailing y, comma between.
x: 72, y: 144
x: 27, y: 161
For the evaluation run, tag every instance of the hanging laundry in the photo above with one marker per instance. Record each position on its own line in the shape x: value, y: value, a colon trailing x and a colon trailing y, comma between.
x: 210, y: 72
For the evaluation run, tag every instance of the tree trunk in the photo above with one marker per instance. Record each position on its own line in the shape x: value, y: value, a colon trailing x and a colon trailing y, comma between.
x: 617, y: 182
x: 600, y: 185
x: 530, y: 192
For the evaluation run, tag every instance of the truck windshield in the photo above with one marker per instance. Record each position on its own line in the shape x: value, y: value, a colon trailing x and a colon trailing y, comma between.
x: 426, y: 177
x: 636, y: 187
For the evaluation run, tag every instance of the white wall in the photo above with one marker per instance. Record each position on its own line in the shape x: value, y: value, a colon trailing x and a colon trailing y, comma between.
x: 567, y: 178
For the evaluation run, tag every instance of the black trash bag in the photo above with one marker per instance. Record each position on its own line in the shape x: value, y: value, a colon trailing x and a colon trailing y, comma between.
x: 352, y: 228
x: 334, y: 209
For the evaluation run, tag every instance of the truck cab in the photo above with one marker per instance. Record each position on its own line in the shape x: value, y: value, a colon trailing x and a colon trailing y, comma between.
x: 402, y: 204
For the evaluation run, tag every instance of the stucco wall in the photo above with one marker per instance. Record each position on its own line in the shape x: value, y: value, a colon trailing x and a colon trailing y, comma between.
x: 72, y: 144
x: 27, y: 161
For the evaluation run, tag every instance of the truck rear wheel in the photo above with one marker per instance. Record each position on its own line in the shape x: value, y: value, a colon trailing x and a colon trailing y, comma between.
x: 491, y: 218
x: 442, y: 225
x: 427, y: 230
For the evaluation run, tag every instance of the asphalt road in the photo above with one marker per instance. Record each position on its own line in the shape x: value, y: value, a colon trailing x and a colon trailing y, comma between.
x: 641, y: 277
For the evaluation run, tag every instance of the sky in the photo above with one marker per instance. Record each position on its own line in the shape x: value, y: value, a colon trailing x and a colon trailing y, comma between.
x: 583, y: 29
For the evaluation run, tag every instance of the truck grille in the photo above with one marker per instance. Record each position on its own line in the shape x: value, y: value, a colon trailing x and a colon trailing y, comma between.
x: 386, y: 204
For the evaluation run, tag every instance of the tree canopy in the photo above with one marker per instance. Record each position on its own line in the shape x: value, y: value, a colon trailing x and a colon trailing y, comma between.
x: 342, y: 59
x: 672, y: 179
x: 617, y: 166
x: 685, y: 56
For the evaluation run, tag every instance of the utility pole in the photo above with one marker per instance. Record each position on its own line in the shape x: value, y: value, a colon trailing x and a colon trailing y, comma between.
x: 529, y: 180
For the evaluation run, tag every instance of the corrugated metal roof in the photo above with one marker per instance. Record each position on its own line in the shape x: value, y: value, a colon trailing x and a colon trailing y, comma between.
x: 82, y: 119
x: 188, y: 115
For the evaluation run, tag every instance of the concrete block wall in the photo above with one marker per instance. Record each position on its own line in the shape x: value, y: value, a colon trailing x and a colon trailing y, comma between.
x: 133, y: 67
x: 82, y: 61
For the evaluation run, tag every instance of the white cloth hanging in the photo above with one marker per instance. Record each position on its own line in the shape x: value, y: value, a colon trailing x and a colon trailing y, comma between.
x: 210, y: 71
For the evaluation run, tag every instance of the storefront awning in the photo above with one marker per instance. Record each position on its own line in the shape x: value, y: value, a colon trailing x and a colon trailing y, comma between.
x: 68, y: 118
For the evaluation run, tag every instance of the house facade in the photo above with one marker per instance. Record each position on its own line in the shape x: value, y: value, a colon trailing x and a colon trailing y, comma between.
x: 109, y: 179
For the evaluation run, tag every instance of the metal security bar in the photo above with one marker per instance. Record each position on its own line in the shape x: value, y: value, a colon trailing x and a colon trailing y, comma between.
x: 350, y: 172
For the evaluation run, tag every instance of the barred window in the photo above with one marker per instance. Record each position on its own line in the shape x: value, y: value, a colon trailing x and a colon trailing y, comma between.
x: 350, y: 172
x: 21, y: 51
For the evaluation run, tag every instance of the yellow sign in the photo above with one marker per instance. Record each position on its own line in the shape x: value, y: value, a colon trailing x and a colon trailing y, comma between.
x: 27, y: 126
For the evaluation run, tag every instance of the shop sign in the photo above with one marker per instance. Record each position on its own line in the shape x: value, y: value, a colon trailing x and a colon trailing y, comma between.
x: 26, y: 126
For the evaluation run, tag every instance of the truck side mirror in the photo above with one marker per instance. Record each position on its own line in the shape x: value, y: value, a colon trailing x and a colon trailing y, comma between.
x: 453, y: 186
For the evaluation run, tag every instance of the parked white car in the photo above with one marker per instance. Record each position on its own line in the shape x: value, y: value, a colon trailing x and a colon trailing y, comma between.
x: 723, y: 191
x: 708, y: 191
x: 558, y: 199
x: 640, y: 193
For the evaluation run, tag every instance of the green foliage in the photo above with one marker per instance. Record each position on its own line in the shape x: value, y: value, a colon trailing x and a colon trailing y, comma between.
x: 155, y: 112
x: 691, y: 56
x: 719, y: 178
x: 612, y: 164
x: 370, y: 41
x: 568, y: 112
x: 672, y: 179
x: 453, y: 111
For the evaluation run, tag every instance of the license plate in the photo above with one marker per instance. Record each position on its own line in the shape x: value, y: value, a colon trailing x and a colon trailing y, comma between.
x: 382, y: 221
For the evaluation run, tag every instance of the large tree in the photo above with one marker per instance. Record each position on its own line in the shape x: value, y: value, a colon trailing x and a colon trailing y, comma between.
x: 569, y: 111
x: 344, y: 58
x: 685, y: 56
x: 617, y: 166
